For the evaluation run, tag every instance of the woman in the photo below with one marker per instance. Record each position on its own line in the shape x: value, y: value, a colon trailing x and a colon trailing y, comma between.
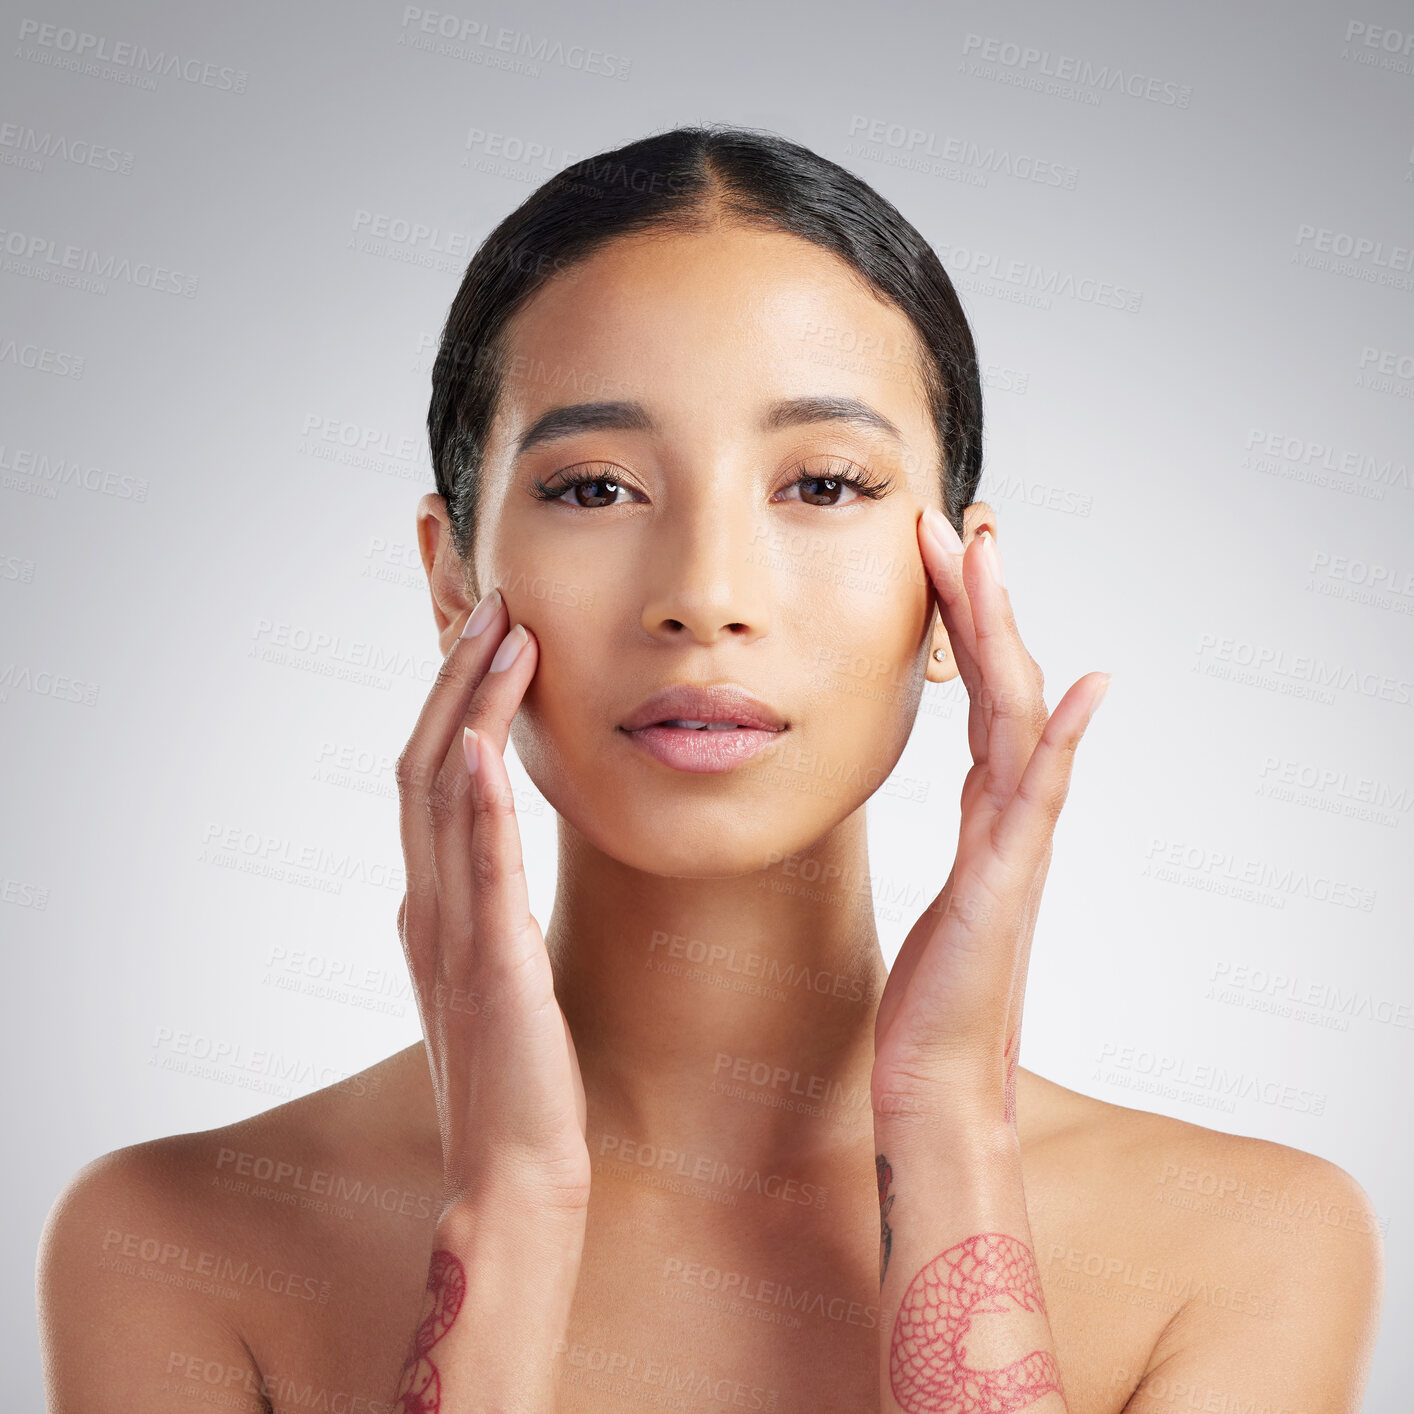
x: 706, y: 423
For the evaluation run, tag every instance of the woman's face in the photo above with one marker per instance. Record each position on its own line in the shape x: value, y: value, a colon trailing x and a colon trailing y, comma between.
x: 709, y: 544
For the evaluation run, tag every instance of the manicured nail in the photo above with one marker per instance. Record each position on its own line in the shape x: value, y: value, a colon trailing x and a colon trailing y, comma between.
x: 941, y: 529
x: 993, y: 559
x: 471, y: 749
x: 482, y: 614
x: 510, y: 648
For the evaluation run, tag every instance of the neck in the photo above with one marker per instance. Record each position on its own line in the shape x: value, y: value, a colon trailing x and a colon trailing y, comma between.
x: 728, y: 1015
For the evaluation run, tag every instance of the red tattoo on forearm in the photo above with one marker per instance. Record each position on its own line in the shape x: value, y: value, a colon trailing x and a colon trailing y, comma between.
x: 420, y: 1390
x: 928, y: 1368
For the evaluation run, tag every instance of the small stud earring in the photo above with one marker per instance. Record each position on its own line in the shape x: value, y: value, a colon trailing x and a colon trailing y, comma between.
x: 940, y: 654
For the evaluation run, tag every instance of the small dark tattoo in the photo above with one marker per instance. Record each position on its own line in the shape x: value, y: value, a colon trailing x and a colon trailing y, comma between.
x: 885, y: 1174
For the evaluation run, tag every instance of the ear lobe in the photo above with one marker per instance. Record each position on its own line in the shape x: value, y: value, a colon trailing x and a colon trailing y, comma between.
x: 942, y: 669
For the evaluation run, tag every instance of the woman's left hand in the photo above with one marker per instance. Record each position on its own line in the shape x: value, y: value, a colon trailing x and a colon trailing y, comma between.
x: 947, y: 1031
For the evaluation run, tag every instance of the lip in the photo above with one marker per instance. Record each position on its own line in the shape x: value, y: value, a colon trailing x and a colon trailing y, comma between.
x: 703, y: 749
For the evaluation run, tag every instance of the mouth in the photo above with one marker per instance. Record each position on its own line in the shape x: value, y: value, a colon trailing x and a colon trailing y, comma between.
x: 703, y: 728
x: 686, y: 745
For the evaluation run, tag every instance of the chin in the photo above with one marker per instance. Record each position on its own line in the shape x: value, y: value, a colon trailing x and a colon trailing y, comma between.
x: 690, y: 856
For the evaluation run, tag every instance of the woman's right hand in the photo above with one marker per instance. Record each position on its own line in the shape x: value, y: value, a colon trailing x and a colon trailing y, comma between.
x: 510, y: 1098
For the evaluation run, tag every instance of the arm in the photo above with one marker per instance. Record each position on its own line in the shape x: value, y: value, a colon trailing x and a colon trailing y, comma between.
x: 499, y: 1289
x: 966, y: 1326
x: 966, y: 1329
x: 509, y: 1095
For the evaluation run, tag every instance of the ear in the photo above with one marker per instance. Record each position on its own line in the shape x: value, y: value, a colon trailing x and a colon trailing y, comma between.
x: 452, y: 601
x: 944, y: 669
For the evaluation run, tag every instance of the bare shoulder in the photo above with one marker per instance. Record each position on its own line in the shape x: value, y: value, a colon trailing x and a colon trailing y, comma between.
x: 1271, y: 1257
x: 208, y: 1246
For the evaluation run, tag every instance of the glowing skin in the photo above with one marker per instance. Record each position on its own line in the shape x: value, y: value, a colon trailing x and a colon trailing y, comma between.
x: 706, y: 332
x: 710, y: 564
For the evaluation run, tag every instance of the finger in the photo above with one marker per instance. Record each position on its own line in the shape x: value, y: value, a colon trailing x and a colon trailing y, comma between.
x: 946, y: 568
x: 1024, y: 829
x: 509, y: 945
x: 422, y: 759
x: 1013, y: 682
x: 944, y: 564
x: 452, y: 803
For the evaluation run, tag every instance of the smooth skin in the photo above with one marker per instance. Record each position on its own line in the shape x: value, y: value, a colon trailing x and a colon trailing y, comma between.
x: 714, y: 562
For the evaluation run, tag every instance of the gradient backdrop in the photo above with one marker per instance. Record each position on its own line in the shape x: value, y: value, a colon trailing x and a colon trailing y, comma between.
x: 1183, y: 238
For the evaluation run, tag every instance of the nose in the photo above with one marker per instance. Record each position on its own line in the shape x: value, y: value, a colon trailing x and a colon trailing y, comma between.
x: 707, y: 580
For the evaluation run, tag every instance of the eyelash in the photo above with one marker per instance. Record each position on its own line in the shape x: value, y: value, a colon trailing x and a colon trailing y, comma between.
x: 860, y: 480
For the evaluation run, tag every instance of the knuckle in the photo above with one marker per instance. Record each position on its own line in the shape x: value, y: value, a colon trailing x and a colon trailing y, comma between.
x: 410, y: 773
x: 486, y: 867
x: 497, y: 801
x: 445, y: 798
x: 448, y: 672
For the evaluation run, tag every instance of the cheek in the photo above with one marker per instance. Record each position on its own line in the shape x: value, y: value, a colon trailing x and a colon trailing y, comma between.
x: 866, y: 633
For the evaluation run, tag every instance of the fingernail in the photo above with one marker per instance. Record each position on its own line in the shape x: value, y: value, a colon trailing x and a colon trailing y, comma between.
x: 994, y: 560
x: 471, y: 750
x: 510, y: 648
x: 1100, y: 698
x: 482, y: 614
x: 941, y: 529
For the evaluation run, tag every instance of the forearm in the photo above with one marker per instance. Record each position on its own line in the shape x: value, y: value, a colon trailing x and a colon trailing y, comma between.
x: 965, y: 1323
x: 500, y: 1285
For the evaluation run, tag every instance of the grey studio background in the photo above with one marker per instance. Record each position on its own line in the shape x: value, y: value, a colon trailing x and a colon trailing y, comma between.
x: 1183, y: 238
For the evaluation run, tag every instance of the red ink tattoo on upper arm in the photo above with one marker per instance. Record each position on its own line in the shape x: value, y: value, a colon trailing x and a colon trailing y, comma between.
x: 928, y: 1368
x: 420, y: 1390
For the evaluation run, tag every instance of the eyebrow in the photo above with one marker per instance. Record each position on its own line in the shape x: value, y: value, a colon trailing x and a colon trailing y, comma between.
x: 574, y: 418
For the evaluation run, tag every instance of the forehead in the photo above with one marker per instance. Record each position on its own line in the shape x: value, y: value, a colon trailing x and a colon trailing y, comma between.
x: 731, y: 316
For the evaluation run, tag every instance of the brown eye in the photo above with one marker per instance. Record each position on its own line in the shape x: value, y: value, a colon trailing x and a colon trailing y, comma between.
x: 822, y: 490
x: 838, y: 487
x: 584, y: 492
x: 596, y: 492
